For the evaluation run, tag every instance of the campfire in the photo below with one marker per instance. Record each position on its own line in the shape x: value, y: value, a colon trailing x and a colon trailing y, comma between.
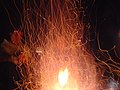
x: 58, y: 57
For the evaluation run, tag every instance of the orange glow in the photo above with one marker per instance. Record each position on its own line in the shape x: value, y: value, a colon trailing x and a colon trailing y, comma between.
x: 63, y: 77
x: 57, y: 39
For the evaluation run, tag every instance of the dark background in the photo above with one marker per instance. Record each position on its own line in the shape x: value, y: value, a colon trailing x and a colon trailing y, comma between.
x: 105, y: 26
x: 104, y: 16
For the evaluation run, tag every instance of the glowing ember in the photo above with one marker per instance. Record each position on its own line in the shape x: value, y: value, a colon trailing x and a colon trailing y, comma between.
x: 63, y: 77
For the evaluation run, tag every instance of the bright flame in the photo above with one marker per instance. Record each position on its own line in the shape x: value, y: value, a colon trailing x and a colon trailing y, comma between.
x: 63, y: 77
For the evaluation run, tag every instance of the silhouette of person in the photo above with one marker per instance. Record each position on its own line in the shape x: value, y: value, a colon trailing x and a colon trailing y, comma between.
x: 11, y: 56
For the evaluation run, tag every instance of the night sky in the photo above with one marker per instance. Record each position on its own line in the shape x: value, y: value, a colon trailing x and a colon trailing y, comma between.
x: 104, y: 16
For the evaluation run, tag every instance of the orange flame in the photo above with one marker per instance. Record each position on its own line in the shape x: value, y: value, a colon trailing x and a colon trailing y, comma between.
x: 63, y: 77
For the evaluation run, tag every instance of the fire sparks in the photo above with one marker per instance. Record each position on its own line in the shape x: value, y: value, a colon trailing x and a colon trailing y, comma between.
x: 55, y: 32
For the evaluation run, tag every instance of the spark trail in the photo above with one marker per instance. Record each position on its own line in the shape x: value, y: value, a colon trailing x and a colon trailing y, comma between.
x: 53, y: 30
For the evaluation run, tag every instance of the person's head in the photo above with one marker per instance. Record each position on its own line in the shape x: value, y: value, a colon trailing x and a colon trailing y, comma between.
x: 16, y: 37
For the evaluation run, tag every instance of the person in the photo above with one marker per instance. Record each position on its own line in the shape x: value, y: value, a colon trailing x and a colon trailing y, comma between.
x: 13, y: 62
x: 9, y: 73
